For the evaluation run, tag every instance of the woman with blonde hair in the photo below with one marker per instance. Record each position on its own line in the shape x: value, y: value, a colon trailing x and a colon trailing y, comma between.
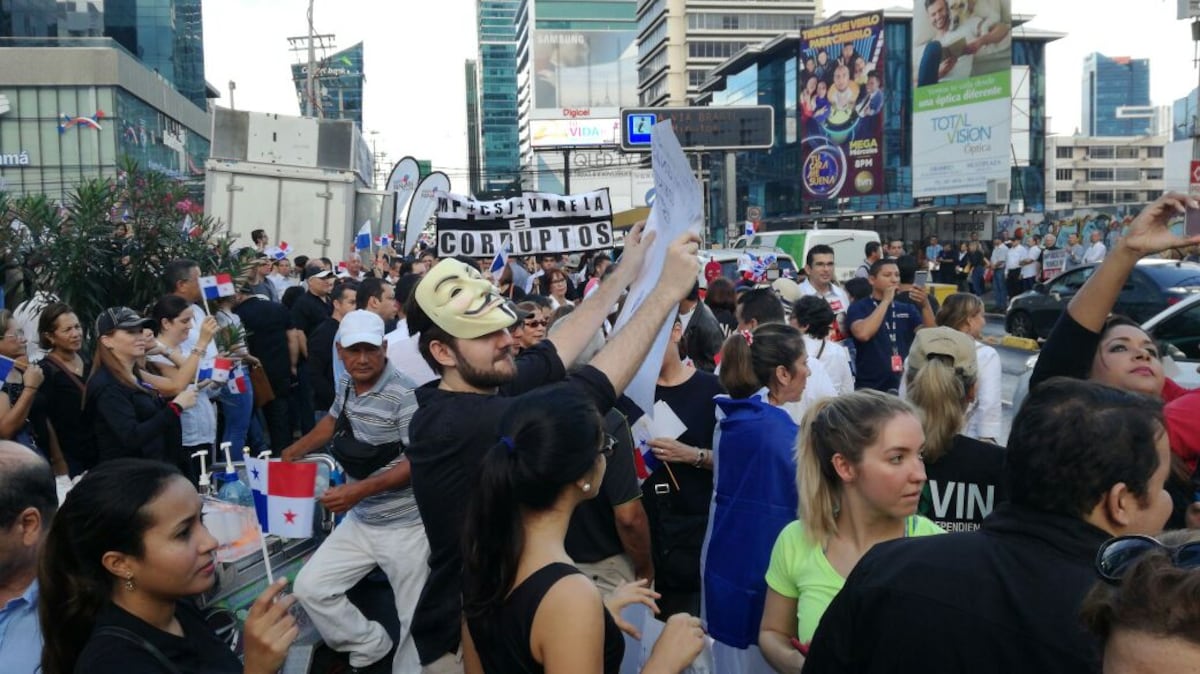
x: 965, y: 474
x: 964, y: 312
x: 859, y: 480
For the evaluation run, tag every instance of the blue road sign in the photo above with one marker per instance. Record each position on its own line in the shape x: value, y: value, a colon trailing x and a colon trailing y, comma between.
x: 639, y: 128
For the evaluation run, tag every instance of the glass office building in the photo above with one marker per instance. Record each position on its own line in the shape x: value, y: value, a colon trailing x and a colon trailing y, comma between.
x: 497, y: 69
x: 339, y: 84
x: 1110, y: 83
x: 770, y: 180
x: 96, y: 112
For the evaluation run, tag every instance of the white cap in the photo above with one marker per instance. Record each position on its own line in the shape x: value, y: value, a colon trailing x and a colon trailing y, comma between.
x: 361, y: 327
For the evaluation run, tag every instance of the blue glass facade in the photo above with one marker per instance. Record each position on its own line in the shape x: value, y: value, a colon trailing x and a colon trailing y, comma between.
x: 1184, y: 112
x: 339, y: 81
x: 769, y: 178
x: 1109, y: 83
x: 498, y: 125
x: 28, y: 18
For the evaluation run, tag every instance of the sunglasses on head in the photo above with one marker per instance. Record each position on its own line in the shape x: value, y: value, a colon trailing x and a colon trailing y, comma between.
x: 1117, y: 555
x: 537, y: 323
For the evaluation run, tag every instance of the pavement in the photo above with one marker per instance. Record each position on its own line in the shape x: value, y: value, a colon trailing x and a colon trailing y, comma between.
x: 993, y: 334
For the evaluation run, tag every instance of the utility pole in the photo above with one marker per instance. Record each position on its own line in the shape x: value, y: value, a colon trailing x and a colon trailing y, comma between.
x: 309, y: 91
x: 306, y: 47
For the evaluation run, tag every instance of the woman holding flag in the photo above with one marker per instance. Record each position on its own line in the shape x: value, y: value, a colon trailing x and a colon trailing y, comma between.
x: 129, y: 417
x: 19, y: 386
x: 172, y: 316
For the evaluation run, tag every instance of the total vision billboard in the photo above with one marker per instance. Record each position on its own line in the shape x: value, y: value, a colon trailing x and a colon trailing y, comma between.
x: 962, y: 86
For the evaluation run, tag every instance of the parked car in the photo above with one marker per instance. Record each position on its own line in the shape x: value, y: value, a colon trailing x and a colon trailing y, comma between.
x: 728, y: 259
x: 1153, y: 286
x: 1177, y: 331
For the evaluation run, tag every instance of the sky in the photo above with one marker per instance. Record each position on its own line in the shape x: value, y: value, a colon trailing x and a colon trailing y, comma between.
x: 415, y: 91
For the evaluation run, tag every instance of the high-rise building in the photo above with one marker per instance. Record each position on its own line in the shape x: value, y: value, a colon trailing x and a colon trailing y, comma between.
x: 498, y: 128
x: 1109, y: 85
x: 1183, y: 116
x: 338, y: 83
x: 81, y: 97
x: 680, y: 41
x: 471, y: 71
x: 578, y: 68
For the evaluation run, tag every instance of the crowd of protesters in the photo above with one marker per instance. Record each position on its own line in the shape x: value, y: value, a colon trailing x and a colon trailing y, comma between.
x: 817, y: 487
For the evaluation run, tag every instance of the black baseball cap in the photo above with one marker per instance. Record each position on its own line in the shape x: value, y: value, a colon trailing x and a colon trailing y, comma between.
x: 120, y: 318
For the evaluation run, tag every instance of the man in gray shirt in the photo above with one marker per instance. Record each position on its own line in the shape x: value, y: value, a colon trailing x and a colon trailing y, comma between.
x: 1074, y: 251
x: 383, y: 526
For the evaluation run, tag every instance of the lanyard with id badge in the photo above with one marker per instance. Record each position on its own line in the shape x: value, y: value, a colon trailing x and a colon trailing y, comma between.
x: 897, y: 361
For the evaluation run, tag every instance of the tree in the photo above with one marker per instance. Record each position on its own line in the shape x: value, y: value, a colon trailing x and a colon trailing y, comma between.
x: 74, y: 252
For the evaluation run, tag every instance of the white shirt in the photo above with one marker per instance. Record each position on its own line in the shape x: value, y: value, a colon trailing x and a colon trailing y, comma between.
x: 999, y: 257
x: 210, y: 353
x: 1031, y: 270
x: 837, y: 299
x: 1095, y: 253
x: 1015, y: 255
x: 985, y: 418
x: 836, y: 361
x: 818, y: 387
x: 280, y: 282
x: 403, y: 354
x: 684, y: 319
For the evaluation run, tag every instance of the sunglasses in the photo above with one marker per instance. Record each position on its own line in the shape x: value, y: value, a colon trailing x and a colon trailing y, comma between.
x: 609, y: 445
x: 1117, y: 555
x: 537, y: 323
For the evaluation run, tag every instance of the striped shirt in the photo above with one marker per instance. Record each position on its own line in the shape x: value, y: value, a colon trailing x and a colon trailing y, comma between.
x: 377, y: 417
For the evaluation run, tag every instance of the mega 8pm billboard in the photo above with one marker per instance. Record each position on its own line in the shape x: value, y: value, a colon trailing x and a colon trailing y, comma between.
x: 841, y: 107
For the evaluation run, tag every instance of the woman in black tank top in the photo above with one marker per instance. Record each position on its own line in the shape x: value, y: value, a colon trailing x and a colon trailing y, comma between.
x: 528, y: 608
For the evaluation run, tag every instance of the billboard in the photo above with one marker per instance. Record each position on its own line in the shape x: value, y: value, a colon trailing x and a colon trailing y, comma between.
x: 338, y: 82
x: 841, y: 108
x: 962, y: 86
x: 582, y: 74
x: 574, y: 132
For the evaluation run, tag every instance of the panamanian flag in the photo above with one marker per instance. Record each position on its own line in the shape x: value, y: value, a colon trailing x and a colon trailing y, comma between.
x: 238, y: 382
x: 363, y: 240
x: 218, y: 372
x: 383, y: 241
x: 500, y: 260
x: 216, y: 287
x: 284, y: 496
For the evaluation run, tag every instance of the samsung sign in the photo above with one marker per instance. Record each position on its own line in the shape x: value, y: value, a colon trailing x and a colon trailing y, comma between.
x: 586, y: 132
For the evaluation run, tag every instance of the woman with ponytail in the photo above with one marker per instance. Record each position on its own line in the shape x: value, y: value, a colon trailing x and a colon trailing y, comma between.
x: 528, y: 608
x: 859, y: 480
x: 965, y: 474
x: 125, y: 552
x: 754, y: 494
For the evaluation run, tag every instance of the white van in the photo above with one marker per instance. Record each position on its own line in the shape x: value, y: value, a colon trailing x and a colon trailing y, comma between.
x: 848, y: 245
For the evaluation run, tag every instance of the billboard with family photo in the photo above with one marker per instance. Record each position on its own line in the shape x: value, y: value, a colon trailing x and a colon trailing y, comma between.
x: 962, y: 89
x: 841, y: 107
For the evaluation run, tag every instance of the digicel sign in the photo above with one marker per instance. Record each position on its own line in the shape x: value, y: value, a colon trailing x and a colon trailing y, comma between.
x: 576, y: 113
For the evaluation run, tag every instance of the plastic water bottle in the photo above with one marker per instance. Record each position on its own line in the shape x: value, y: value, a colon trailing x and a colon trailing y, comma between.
x: 233, y: 490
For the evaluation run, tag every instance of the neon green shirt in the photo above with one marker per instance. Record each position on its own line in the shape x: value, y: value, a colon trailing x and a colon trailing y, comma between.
x: 800, y: 571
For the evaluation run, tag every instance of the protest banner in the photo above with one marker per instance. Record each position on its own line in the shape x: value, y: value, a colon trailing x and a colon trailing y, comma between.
x: 531, y: 224
x: 1054, y: 262
x: 678, y: 208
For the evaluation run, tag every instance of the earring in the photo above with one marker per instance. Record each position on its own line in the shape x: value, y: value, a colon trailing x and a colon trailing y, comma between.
x: 587, y: 486
x: 129, y: 582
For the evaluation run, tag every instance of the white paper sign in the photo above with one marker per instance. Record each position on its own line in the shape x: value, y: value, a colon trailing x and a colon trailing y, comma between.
x: 678, y: 208
x: 666, y: 423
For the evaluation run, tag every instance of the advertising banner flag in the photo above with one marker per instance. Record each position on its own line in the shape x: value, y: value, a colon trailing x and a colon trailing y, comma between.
x: 530, y: 224
x: 421, y: 207
x: 841, y: 107
x: 402, y: 183
x: 962, y: 90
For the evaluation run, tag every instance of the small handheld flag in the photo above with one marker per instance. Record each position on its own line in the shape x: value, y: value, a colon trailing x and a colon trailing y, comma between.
x: 284, y: 496
x: 237, y: 381
x: 279, y: 252
x: 383, y: 241
x: 6, y: 366
x: 749, y: 228
x: 501, y: 259
x: 218, y: 372
x: 216, y: 287
x: 188, y: 228
x: 363, y: 240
